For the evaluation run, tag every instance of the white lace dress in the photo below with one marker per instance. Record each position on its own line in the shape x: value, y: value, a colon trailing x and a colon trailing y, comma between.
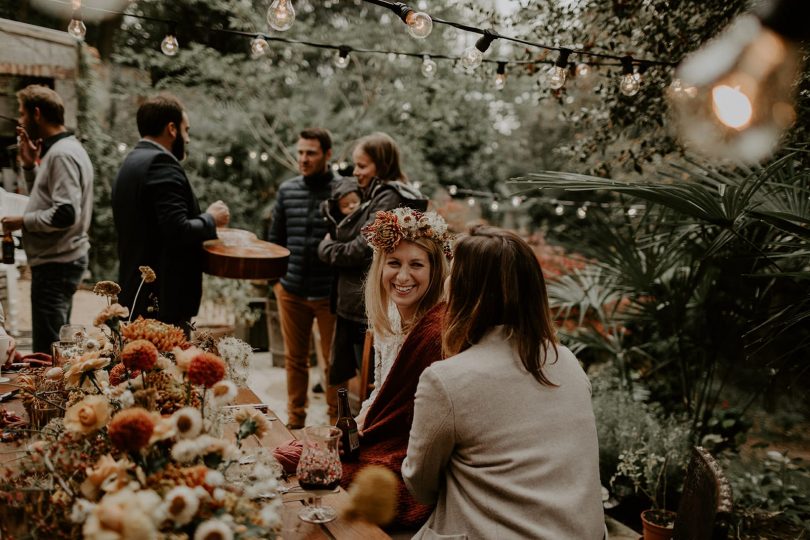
x: 386, y: 349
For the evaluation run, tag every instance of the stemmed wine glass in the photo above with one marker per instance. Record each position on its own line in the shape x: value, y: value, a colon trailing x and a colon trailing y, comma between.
x: 319, y: 471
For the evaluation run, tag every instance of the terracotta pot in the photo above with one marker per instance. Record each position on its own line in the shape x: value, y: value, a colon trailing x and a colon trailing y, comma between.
x: 657, y: 524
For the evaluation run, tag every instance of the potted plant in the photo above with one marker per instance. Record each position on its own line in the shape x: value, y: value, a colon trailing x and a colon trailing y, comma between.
x: 647, y: 474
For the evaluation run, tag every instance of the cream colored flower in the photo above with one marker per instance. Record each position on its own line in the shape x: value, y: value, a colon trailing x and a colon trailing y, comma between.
x: 87, y: 362
x: 224, y: 392
x: 261, y: 424
x: 181, y: 505
x: 109, y: 473
x: 114, y: 310
x: 88, y: 416
x: 213, y: 529
x: 185, y: 450
x: 55, y: 373
x: 187, y: 422
x: 212, y: 445
x: 183, y: 358
x: 164, y: 428
x: 125, y: 515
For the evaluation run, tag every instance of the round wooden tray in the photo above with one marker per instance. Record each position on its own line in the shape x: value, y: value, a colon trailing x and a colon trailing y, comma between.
x: 240, y: 254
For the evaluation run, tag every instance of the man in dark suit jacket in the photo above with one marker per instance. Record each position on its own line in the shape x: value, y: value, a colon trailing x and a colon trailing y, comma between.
x: 158, y: 218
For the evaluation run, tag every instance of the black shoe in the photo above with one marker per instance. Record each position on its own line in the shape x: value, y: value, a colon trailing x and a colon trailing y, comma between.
x: 317, y: 389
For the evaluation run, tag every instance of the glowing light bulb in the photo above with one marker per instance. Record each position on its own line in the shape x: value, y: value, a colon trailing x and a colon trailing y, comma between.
x: 122, y: 147
x: 453, y: 189
x: 228, y: 161
x: 517, y: 200
x: 253, y: 154
x: 743, y: 84
x: 632, y: 212
x: 500, y: 76
x: 76, y: 28
x: 258, y: 47
x: 471, y: 202
x: 342, y: 59
x: 281, y: 15
x: 559, y: 210
x: 472, y: 57
x: 629, y: 85
x: 582, y: 212
x: 169, y: 45
x: 582, y: 70
x: 265, y: 156
x: 555, y: 77
x: 420, y: 25
x: 494, y: 206
x: 429, y: 67
x: 732, y: 107
x: 212, y: 161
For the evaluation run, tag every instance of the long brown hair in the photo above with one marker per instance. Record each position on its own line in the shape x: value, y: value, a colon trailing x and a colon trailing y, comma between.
x: 497, y: 280
x: 384, y: 153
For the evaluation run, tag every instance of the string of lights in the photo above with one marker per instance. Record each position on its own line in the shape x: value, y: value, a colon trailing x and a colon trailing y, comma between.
x: 281, y: 16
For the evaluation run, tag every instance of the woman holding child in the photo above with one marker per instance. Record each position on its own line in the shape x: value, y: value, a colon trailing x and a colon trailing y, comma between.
x: 503, y: 438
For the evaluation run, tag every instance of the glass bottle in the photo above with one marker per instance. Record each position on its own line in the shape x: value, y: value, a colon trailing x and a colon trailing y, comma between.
x: 349, y: 438
x: 8, y: 248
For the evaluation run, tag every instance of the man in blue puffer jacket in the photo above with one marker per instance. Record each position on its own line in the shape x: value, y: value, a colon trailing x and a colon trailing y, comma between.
x: 303, y: 293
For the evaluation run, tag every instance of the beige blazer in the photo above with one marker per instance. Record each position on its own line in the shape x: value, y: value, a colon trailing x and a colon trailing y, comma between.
x: 501, y: 455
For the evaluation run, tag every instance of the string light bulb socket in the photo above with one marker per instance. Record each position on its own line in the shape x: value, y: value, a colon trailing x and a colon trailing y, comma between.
x: 500, y: 76
x: 281, y: 15
x: 630, y: 84
x: 474, y: 55
x: 342, y: 57
x: 558, y: 73
x: 258, y: 46
x: 170, y: 46
x: 420, y: 24
x: 429, y: 67
x: 76, y: 26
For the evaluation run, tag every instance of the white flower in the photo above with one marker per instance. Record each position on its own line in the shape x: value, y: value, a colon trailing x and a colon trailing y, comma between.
x: 163, y: 363
x: 219, y: 494
x: 185, y: 451
x: 55, y: 373
x: 181, y: 504
x: 224, y: 392
x: 187, y: 422
x: 213, y: 529
x: 81, y: 509
x: 270, y: 514
x: 214, y: 478
x: 127, y: 399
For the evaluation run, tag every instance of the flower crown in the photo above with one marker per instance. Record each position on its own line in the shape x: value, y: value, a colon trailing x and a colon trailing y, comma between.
x: 390, y: 228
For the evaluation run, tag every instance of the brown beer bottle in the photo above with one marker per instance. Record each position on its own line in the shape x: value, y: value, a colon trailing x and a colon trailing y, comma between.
x: 8, y: 248
x: 349, y: 440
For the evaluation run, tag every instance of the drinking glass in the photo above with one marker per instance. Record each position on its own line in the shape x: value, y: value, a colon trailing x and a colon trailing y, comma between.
x: 319, y: 471
x: 73, y: 333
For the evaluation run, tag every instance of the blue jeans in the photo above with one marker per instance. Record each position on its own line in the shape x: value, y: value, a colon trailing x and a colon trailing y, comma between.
x: 52, y: 288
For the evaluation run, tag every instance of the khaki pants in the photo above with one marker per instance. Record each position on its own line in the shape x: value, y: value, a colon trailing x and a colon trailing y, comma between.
x: 296, y: 314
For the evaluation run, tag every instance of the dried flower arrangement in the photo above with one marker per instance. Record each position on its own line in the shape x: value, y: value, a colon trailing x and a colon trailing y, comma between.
x: 131, y: 454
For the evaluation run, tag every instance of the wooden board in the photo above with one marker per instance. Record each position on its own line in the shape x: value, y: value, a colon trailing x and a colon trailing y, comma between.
x: 239, y: 254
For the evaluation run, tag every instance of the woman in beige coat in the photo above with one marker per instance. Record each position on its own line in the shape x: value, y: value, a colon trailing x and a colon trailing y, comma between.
x: 503, y: 439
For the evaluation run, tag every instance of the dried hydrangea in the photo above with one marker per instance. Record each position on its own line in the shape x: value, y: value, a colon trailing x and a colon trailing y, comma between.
x: 147, y: 274
x: 107, y: 288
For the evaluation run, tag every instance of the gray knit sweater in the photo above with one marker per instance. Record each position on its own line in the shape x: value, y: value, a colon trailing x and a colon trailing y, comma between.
x: 58, y: 213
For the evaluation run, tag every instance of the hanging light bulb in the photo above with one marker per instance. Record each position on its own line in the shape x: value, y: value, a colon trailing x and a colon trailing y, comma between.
x: 629, y: 84
x: 228, y: 161
x: 253, y: 154
x: 265, y: 156
x: 212, y: 161
x: 258, y: 47
x: 76, y: 27
x: 559, y: 209
x: 582, y: 212
x: 494, y: 206
x: 471, y: 202
x: 474, y: 54
x: 517, y: 200
x: 744, y: 84
x: 582, y: 70
x: 342, y: 58
x: 420, y: 25
x: 500, y: 76
x: 452, y: 189
x: 169, y: 45
x: 632, y: 212
x: 281, y: 15
x: 557, y: 74
x: 429, y: 67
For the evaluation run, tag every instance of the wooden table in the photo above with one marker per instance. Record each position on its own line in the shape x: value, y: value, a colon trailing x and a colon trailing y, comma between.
x: 293, y: 528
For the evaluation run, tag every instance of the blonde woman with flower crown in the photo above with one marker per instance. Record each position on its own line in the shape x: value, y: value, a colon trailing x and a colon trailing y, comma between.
x: 403, y: 292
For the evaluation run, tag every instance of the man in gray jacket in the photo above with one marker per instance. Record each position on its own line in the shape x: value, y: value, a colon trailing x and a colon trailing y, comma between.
x: 303, y: 292
x: 59, y: 176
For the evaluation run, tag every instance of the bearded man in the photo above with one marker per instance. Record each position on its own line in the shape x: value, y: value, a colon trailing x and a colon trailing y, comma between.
x: 59, y: 176
x: 158, y: 219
